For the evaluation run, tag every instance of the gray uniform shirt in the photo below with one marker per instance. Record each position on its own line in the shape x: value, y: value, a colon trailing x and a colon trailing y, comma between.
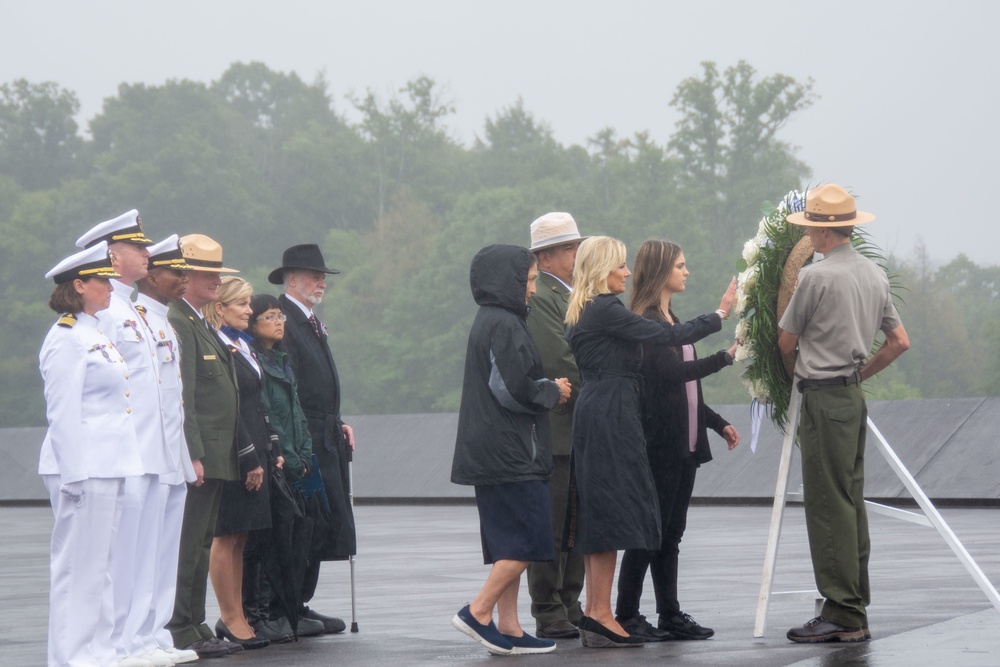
x: 839, y: 306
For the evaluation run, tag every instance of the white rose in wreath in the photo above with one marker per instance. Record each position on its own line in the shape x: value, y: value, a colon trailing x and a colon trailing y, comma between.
x: 750, y: 250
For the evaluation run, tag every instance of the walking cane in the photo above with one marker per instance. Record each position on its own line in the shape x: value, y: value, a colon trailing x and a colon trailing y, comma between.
x: 350, y: 494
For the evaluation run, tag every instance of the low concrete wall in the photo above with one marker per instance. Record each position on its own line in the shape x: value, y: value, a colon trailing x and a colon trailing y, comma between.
x: 949, y: 445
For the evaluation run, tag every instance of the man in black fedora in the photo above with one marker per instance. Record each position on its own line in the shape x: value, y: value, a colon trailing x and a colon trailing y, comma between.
x: 303, y: 273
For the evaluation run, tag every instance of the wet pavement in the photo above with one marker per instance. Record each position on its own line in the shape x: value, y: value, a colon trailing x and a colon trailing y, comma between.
x: 418, y: 564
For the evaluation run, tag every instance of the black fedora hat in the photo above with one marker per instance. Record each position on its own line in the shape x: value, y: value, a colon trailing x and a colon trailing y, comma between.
x: 306, y: 256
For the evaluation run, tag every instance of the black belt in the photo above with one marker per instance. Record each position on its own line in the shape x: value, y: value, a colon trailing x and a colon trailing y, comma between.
x: 595, y: 375
x: 854, y: 378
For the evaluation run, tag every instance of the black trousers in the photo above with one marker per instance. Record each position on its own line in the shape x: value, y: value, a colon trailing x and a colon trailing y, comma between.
x: 674, y: 486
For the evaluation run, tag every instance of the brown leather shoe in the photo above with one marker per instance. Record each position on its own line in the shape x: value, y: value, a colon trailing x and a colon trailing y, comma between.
x: 821, y: 630
x: 559, y: 630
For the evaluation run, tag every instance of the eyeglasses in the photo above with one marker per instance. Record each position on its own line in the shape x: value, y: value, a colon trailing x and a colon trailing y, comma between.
x: 280, y: 317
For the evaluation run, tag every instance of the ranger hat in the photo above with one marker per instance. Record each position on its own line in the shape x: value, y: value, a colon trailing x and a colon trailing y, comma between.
x: 829, y: 206
x: 88, y: 263
x: 126, y: 227
x: 203, y: 253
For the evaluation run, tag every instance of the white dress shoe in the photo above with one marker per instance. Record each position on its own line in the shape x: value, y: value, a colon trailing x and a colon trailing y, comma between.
x: 159, y: 658
x: 180, y: 655
x: 134, y: 661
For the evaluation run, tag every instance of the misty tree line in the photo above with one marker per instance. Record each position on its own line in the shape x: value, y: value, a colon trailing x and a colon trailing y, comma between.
x: 261, y: 160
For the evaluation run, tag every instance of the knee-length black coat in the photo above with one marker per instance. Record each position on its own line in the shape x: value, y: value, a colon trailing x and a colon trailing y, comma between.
x: 613, y: 500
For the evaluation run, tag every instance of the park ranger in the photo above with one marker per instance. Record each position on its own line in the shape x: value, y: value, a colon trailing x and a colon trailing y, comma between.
x: 840, y: 304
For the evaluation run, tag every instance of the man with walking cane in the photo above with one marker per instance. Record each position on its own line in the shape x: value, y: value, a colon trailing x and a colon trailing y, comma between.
x: 303, y: 273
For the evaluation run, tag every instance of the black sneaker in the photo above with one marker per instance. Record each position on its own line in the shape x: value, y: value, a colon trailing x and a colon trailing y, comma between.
x: 682, y: 626
x: 639, y: 627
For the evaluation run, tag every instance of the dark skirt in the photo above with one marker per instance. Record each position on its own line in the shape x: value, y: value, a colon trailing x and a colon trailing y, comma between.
x: 241, y: 511
x: 613, y: 502
x: 515, y: 521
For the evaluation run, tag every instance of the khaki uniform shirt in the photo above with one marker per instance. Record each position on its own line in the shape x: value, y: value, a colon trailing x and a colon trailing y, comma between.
x: 839, y: 306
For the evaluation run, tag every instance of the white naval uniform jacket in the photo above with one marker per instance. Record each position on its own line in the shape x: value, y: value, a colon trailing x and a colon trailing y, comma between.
x: 131, y: 335
x: 87, y: 404
x: 171, y: 391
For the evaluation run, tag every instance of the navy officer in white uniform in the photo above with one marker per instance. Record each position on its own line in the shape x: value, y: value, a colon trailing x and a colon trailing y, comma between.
x: 88, y: 452
x: 132, y: 568
x: 166, y: 281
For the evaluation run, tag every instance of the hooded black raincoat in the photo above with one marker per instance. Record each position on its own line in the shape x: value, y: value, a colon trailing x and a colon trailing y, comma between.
x: 503, y: 426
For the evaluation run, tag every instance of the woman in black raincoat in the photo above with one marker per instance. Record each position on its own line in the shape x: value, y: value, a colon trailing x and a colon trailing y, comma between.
x: 503, y: 447
x: 613, y: 499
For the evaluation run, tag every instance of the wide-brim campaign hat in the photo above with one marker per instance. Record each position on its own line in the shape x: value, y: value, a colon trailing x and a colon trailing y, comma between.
x: 305, y: 257
x: 553, y: 229
x: 829, y: 206
x: 203, y: 253
x: 92, y: 262
x: 126, y: 228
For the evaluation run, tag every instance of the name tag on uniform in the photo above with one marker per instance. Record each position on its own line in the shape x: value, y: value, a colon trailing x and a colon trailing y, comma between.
x: 209, y: 357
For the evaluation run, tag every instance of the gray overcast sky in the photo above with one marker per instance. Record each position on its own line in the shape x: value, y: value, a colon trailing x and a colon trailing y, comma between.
x: 907, y: 115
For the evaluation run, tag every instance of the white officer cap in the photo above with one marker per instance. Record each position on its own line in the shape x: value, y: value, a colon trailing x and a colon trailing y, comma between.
x: 167, y: 254
x: 126, y: 227
x: 88, y: 263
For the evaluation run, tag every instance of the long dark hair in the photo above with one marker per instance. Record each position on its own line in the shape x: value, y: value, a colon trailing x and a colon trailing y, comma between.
x: 653, y: 263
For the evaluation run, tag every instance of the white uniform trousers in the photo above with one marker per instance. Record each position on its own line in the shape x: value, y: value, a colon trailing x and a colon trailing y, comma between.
x: 81, y: 599
x: 133, y: 562
x: 154, y: 632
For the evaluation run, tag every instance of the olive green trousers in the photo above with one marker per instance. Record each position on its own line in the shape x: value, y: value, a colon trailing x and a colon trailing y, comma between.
x: 832, y: 429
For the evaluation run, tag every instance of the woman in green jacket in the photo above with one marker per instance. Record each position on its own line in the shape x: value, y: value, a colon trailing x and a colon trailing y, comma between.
x: 289, y: 425
x: 280, y: 393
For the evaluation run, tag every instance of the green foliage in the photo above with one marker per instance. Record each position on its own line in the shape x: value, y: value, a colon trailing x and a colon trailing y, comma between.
x: 39, y: 146
x: 260, y: 160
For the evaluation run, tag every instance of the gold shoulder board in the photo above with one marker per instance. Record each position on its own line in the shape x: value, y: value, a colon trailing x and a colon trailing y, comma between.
x: 67, y: 320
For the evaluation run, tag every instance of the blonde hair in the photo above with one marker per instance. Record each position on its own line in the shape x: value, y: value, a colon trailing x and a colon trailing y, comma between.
x: 596, y: 258
x: 231, y: 290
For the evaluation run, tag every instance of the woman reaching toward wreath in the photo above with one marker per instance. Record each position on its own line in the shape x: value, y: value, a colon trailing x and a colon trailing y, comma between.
x: 612, y: 497
x: 675, y: 420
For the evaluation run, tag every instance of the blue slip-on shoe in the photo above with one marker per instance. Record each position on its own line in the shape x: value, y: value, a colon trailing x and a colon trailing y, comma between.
x: 526, y: 644
x: 487, y: 635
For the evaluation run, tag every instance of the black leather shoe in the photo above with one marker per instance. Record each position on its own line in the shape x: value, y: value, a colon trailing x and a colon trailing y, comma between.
x: 595, y: 635
x: 682, y: 626
x: 638, y: 626
x: 559, y: 630
x: 331, y: 625
x: 310, y: 628
x: 821, y: 630
x: 251, y: 644
x: 208, y: 648
x: 268, y: 631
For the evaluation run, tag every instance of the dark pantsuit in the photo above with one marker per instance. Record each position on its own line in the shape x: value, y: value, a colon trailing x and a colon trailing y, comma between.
x: 201, y: 509
x: 674, y: 486
x: 832, y: 429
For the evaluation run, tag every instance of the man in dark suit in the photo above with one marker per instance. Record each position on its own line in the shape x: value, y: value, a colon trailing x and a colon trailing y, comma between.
x: 555, y: 587
x: 303, y: 273
x: 211, y: 403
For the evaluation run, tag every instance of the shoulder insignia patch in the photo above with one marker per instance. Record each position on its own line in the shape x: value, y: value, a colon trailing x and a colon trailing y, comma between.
x: 67, y: 320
